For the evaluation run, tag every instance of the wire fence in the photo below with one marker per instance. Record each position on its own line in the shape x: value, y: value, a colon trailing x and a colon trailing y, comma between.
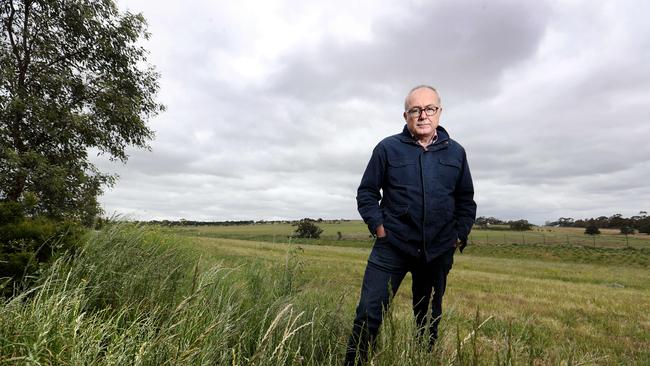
x: 537, y: 238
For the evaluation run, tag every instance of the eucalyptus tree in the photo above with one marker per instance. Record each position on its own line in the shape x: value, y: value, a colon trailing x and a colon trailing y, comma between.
x: 74, y: 76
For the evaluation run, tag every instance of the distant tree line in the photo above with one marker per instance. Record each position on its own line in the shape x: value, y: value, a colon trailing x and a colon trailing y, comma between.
x: 627, y: 225
x: 491, y: 223
x: 487, y: 221
x: 640, y: 222
x: 184, y: 222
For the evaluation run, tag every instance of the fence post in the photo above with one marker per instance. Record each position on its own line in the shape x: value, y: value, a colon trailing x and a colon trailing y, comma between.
x: 523, y: 239
x: 487, y: 239
x: 594, y: 236
x: 544, y: 238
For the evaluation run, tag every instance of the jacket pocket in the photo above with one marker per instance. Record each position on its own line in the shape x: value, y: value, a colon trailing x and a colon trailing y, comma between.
x: 398, y: 210
x: 403, y: 172
x: 398, y: 223
x: 448, y: 172
x: 382, y: 239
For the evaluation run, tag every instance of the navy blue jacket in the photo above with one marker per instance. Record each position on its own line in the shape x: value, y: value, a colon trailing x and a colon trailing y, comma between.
x: 427, y: 197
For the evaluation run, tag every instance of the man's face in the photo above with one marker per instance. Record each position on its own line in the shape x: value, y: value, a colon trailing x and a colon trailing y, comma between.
x: 422, y: 125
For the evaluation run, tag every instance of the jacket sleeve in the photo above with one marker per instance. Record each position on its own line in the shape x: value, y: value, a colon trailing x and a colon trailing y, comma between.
x: 465, y: 212
x: 368, y: 193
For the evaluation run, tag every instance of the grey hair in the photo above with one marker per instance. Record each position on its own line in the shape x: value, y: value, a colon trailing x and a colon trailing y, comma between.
x: 406, y: 100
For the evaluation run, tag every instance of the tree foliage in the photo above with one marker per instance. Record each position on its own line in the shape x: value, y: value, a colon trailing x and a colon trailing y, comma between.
x: 484, y: 222
x: 72, y: 77
x: 645, y: 228
x: 626, y: 230
x: 306, y: 228
x: 28, y: 243
x: 616, y: 221
x: 592, y: 230
x: 520, y: 225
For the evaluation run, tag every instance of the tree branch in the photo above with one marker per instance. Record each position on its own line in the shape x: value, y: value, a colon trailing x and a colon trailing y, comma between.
x: 10, y: 25
x: 26, y: 54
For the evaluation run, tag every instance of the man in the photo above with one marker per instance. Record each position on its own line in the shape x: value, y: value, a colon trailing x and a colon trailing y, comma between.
x: 417, y: 198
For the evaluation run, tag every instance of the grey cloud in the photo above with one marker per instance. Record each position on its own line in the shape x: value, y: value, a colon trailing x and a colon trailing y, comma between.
x: 460, y: 46
x: 550, y: 102
x: 213, y: 198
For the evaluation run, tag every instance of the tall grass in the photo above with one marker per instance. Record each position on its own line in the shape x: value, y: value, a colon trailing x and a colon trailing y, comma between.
x: 133, y: 296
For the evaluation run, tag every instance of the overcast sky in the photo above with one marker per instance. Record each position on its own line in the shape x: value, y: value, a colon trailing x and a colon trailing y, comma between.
x: 273, y: 107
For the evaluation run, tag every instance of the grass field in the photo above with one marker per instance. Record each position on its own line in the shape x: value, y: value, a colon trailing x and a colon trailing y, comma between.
x: 248, y: 295
x: 565, y: 299
x: 355, y: 233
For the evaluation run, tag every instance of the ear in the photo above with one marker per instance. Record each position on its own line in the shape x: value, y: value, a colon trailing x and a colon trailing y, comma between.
x: 405, y: 116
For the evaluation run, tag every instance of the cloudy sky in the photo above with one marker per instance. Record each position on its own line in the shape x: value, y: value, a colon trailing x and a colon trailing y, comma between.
x: 273, y: 107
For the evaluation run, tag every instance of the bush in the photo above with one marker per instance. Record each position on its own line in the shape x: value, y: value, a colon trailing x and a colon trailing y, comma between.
x: 626, y: 230
x: 307, y: 229
x: 10, y: 212
x: 645, y: 228
x: 592, y: 230
x: 28, y: 244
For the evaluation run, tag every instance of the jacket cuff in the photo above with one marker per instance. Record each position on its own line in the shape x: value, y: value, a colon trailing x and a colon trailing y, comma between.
x: 373, y: 225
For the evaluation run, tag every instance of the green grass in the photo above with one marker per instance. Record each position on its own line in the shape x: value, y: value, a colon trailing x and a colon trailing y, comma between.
x: 540, y: 244
x: 590, y: 301
x: 135, y: 297
x: 596, y: 310
x: 139, y: 296
x: 355, y: 233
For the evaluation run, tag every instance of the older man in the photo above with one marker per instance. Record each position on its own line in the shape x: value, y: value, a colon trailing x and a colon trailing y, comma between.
x: 417, y: 198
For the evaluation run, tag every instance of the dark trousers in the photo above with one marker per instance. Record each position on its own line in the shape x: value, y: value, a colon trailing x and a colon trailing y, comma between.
x: 385, y: 271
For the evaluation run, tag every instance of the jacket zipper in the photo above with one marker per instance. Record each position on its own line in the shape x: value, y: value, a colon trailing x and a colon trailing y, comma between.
x: 441, y: 145
x: 424, y: 204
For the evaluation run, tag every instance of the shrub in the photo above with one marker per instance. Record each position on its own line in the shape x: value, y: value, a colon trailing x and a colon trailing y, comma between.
x: 10, y: 212
x: 592, y: 230
x: 626, y: 230
x: 307, y: 229
x: 645, y: 228
x: 27, y: 244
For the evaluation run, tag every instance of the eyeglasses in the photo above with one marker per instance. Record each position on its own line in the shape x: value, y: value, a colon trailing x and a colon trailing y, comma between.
x: 415, y: 112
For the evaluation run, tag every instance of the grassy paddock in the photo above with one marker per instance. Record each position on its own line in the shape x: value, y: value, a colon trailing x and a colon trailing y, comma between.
x: 551, y: 308
x: 355, y: 233
x: 135, y: 296
x: 565, y: 298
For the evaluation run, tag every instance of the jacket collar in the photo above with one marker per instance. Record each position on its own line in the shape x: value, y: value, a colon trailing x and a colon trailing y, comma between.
x: 406, y: 137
